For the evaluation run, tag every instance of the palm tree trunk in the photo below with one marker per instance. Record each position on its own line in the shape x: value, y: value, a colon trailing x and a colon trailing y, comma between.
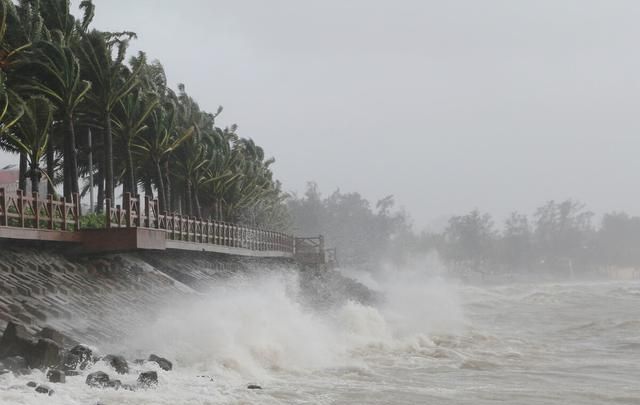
x: 162, y: 198
x: 188, y: 196
x: 50, y: 163
x: 22, y: 174
x: 108, y: 157
x: 73, y: 161
x: 100, y: 206
x: 35, y: 177
x: 197, y: 201
x: 167, y: 184
x: 131, y: 178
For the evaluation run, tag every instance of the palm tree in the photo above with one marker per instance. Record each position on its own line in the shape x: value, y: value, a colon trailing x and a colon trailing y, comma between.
x: 31, y: 134
x: 157, y: 144
x: 130, y: 121
x: 111, y: 81
x: 57, y: 76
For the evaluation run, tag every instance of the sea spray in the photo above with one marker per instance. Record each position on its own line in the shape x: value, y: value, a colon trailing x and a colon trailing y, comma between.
x: 261, y: 327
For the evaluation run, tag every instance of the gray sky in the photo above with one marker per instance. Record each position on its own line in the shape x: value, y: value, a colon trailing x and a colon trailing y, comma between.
x: 448, y: 105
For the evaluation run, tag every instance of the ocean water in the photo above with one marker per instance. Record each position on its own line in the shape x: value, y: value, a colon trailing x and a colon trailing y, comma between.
x: 428, y: 341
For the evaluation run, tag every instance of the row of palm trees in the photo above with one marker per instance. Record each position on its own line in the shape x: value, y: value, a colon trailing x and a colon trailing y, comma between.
x: 61, y: 82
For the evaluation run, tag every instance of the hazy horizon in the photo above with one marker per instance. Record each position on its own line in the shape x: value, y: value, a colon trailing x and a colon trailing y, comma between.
x: 449, y: 106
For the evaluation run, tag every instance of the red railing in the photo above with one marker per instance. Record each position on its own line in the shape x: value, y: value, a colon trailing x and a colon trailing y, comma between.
x: 22, y: 210
x: 195, y: 230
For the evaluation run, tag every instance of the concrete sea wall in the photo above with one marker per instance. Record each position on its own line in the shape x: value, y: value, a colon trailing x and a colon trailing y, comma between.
x: 97, y: 298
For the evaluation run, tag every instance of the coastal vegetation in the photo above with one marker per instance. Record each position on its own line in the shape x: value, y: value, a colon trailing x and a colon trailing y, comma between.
x: 562, y: 238
x: 70, y: 93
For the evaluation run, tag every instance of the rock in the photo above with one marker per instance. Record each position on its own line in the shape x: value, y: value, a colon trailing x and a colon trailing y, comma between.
x: 43, y: 389
x: 119, y: 363
x: 71, y: 373
x: 162, y: 362
x: 32, y: 384
x: 56, y: 376
x: 78, y: 357
x: 253, y: 387
x: 115, y: 384
x: 98, y: 379
x: 50, y: 333
x: 16, y: 341
x: 148, y: 378
x: 15, y: 364
x: 46, y: 353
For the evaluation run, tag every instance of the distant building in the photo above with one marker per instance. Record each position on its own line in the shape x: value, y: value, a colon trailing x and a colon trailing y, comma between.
x: 9, y: 176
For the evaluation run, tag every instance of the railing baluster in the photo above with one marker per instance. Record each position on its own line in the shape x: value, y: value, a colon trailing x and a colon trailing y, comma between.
x: 147, y: 212
x: 76, y: 208
x: 35, y: 207
x: 51, y: 210
x: 3, y: 208
x: 64, y: 213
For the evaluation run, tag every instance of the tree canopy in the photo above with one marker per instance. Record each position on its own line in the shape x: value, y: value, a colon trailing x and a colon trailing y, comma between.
x: 146, y: 137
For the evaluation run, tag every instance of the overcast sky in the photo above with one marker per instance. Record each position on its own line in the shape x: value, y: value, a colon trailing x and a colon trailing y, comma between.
x: 448, y: 105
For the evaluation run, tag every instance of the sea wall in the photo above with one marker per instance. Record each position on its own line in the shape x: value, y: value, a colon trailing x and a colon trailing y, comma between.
x: 98, y: 298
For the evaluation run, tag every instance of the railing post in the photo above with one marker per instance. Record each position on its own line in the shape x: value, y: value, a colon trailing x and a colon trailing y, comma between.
x: 107, y: 212
x: 51, y: 210
x: 19, y: 204
x: 126, y: 204
x: 147, y: 217
x: 76, y: 208
x: 35, y: 206
x: 64, y: 213
x: 156, y: 212
x: 3, y: 208
x: 137, y: 218
x: 173, y: 225
x: 216, y: 230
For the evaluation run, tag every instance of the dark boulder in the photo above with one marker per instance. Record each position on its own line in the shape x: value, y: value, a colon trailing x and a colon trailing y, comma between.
x: 79, y: 357
x: 98, y: 379
x: 162, y: 362
x: 119, y: 363
x: 32, y: 384
x: 56, y: 376
x: 45, y: 353
x: 148, y: 378
x: 43, y: 389
x: 16, y: 341
x: 253, y: 387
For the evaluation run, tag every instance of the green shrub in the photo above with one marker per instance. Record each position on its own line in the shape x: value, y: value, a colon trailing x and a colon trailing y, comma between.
x: 92, y: 221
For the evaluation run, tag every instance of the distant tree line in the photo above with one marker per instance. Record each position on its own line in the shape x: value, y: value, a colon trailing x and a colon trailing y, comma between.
x: 60, y: 79
x: 560, y: 237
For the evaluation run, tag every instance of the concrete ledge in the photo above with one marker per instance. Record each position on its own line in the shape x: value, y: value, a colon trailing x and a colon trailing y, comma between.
x: 207, y: 247
x: 39, y: 234
x: 122, y: 239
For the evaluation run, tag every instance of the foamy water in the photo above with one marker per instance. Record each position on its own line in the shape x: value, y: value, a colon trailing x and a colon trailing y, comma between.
x: 429, y: 341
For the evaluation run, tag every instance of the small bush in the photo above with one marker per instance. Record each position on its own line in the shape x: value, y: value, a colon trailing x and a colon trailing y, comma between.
x: 92, y: 221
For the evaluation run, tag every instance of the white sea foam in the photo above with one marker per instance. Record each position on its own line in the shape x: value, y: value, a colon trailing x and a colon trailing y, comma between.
x: 427, y: 341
